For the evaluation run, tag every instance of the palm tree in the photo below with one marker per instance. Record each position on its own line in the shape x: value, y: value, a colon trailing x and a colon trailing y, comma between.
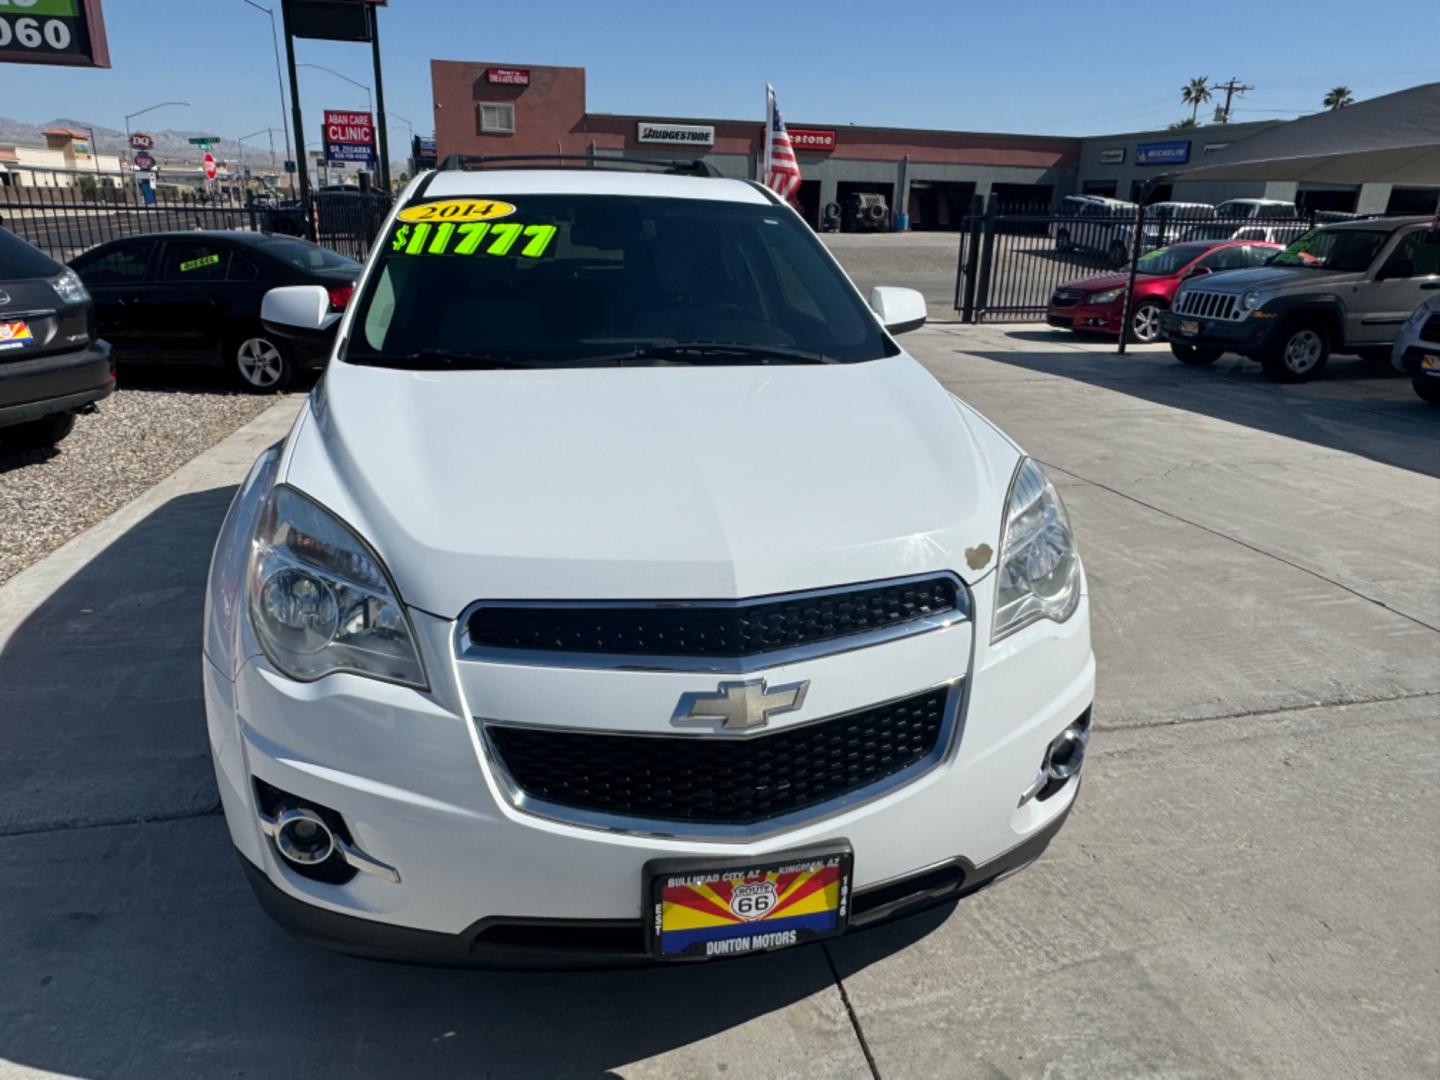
x: 1195, y: 93
x: 1338, y: 98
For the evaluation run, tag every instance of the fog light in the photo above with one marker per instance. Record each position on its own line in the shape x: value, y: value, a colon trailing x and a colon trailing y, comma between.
x: 1063, y: 759
x: 303, y: 837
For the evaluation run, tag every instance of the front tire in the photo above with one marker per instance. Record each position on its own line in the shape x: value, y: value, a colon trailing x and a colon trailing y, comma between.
x: 1194, y: 355
x: 259, y: 363
x: 1145, y: 323
x: 1299, y: 354
x: 1427, y: 388
x: 38, y: 434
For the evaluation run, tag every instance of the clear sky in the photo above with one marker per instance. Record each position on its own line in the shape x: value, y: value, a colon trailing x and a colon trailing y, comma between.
x: 1037, y: 66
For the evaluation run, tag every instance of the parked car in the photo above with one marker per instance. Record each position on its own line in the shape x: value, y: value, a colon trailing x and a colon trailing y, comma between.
x: 1095, y: 225
x: 52, y: 366
x: 1257, y: 209
x: 194, y: 298
x: 578, y: 601
x: 1417, y: 350
x: 1228, y: 230
x: 1343, y: 288
x: 1097, y: 304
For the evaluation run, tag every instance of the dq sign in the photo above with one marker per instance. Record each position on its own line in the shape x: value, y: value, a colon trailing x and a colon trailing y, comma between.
x: 349, y: 136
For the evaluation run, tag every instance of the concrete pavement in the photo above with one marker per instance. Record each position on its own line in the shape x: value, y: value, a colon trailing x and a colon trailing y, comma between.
x: 1246, y: 888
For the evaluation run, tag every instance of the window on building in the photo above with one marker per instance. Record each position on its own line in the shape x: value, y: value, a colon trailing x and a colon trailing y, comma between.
x: 497, y: 118
x: 1412, y: 200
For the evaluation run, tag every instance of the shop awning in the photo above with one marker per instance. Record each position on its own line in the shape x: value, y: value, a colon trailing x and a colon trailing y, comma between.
x: 1393, y: 139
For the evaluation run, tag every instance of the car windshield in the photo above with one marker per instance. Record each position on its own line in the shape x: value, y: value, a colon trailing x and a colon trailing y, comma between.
x: 562, y: 280
x: 1333, y: 249
x: 1169, y: 260
x: 306, y: 256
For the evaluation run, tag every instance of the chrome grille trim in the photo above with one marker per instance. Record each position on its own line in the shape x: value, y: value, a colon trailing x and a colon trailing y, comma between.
x: 1210, y: 305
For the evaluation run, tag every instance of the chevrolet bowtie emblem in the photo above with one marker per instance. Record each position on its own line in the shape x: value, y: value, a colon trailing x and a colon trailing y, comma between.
x: 740, y: 706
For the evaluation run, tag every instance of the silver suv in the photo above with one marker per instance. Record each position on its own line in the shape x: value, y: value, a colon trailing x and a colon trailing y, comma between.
x: 1345, y: 288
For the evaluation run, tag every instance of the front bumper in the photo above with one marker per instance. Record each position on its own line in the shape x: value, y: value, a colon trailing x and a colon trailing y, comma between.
x: 1087, y: 318
x: 569, y: 944
x: 31, y: 388
x: 1418, y: 360
x: 1248, y: 335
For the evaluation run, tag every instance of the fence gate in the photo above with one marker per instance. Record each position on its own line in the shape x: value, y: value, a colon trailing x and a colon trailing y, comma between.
x: 1014, y: 259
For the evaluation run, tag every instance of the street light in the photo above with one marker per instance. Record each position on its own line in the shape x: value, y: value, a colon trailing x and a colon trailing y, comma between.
x: 370, y: 101
x: 240, y: 142
x: 408, y: 126
x: 279, y: 82
x: 148, y: 108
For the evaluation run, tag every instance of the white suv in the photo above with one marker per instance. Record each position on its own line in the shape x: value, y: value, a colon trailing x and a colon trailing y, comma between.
x: 626, y: 593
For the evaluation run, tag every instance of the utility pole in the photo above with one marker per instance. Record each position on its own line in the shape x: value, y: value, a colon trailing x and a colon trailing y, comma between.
x: 1231, y: 88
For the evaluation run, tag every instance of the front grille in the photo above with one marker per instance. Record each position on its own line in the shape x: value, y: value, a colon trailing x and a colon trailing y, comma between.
x: 1430, y: 331
x: 1065, y: 299
x: 716, y: 629
x: 1209, y: 305
x: 720, y: 780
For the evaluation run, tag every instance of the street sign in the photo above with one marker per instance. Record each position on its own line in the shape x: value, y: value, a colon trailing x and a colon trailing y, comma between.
x: 205, y: 142
x: 70, y: 32
x: 143, y: 160
x: 209, y: 166
x: 349, y: 136
x: 289, y: 166
x: 139, y: 140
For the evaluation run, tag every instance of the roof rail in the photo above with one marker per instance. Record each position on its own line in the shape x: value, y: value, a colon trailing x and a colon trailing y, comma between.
x: 691, y: 167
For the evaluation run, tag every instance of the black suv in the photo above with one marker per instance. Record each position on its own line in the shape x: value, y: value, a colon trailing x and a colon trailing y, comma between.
x: 51, y: 365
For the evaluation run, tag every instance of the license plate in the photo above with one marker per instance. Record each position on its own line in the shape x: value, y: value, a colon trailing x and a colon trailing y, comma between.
x: 1429, y: 362
x: 1189, y: 326
x: 704, y: 909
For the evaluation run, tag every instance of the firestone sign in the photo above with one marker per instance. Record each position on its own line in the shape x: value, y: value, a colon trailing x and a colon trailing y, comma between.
x: 508, y: 76
x: 812, y: 139
x: 349, y: 136
x: 650, y: 131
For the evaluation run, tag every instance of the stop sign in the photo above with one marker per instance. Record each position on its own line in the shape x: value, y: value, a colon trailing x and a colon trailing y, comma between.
x: 209, y: 166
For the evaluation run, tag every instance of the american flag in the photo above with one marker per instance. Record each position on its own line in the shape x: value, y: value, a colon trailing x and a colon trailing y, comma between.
x: 782, y: 171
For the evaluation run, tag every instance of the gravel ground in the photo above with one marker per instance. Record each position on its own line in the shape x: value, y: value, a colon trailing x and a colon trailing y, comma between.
x: 143, y: 432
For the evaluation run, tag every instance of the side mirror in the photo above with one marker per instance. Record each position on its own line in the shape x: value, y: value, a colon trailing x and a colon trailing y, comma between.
x: 298, y: 311
x: 1198, y: 271
x: 900, y: 310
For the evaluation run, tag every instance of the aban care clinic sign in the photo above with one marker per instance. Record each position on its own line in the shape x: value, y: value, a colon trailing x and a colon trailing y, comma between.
x: 651, y: 131
x: 349, y: 136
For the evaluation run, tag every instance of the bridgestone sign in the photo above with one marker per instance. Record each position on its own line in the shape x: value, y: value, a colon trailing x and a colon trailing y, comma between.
x: 682, y: 134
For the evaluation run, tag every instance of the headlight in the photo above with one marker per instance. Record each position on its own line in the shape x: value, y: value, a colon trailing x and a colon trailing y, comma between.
x: 321, y: 601
x: 70, y: 288
x: 1039, y: 572
x: 1251, y: 300
x: 1106, y: 296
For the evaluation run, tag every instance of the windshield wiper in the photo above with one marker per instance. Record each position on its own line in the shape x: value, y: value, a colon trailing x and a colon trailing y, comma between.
x: 699, y: 352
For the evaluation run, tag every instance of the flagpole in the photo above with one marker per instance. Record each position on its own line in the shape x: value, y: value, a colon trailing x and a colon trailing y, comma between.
x: 769, y: 124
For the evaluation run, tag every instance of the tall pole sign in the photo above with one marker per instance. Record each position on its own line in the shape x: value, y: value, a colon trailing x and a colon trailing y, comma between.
x: 70, y: 32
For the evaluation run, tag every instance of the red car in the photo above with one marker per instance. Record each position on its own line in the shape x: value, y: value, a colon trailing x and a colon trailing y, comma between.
x: 1096, y: 305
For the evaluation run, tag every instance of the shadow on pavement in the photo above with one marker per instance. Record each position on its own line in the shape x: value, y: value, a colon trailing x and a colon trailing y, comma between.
x: 133, y: 946
x: 1358, y: 406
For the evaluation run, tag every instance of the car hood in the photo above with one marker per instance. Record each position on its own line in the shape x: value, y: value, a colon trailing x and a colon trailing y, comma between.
x: 1098, y: 283
x: 1268, y: 278
x: 639, y: 483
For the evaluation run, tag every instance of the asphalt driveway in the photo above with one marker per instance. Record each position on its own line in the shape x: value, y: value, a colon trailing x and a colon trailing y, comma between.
x: 1247, y: 886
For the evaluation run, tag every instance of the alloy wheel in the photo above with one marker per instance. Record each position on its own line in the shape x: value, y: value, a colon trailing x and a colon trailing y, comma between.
x: 260, y: 363
x: 1302, y: 351
x: 1145, y: 324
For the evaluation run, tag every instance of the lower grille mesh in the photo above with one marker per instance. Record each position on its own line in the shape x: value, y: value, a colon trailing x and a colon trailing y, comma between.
x: 721, y: 780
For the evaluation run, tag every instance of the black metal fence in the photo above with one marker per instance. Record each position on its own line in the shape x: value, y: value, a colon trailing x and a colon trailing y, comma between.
x: 65, y: 213
x: 1013, y: 259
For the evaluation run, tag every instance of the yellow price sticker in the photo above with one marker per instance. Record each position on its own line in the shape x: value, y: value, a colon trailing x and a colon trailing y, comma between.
x: 457, y: 210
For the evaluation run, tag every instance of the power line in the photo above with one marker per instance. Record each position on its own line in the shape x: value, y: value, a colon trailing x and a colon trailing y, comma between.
x: 1231, y: 88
